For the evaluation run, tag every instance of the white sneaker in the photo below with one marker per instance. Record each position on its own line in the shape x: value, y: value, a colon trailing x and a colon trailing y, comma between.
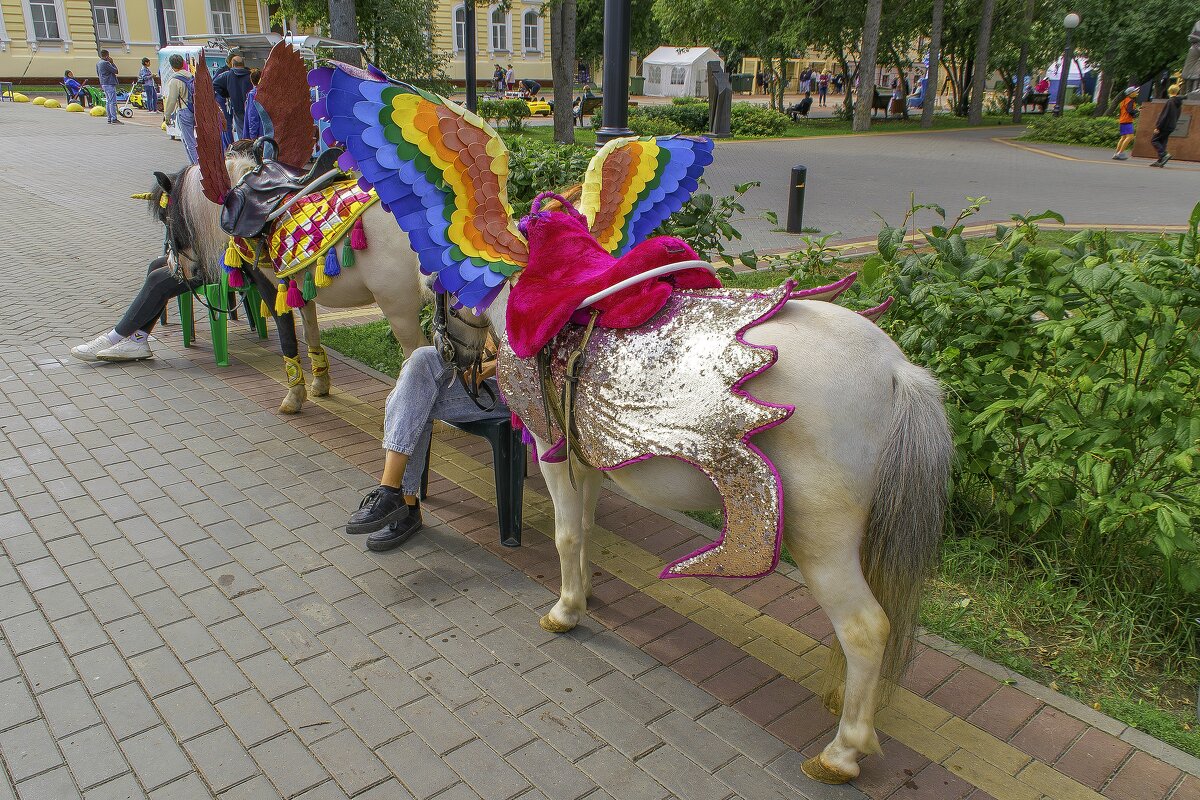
x: 87, y: 352
x: 126, y: 350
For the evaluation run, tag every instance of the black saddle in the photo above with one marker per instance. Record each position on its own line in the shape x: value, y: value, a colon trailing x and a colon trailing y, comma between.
x: 263, y: 189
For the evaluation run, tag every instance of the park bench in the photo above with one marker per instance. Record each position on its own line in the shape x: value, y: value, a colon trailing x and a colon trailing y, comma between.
x: 587, y: 105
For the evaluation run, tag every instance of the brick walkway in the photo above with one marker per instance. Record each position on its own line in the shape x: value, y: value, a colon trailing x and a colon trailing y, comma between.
x: 182, y: 617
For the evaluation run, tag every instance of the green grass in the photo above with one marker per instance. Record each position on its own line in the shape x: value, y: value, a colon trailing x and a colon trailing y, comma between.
x: 830, y: 126
x: 372, y: 343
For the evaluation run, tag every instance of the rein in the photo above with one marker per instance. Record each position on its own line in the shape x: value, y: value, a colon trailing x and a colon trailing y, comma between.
x: 454, y: 351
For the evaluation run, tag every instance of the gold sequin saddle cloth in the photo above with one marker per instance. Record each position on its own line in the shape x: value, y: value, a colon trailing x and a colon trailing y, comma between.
x: 672, y: 387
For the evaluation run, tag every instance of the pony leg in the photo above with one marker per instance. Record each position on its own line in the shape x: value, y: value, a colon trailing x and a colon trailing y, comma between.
x: 589, y: 486
x: 402, y: 313
x: 316, y: 354
x: 828, y: 554
x: 293, y: 401
x: 569, y: 538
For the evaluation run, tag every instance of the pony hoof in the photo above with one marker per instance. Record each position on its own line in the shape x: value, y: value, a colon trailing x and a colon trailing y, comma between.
x: 551, y: 625
x: 294, y: 400
x: 819, y: 771
x: 320, y: 386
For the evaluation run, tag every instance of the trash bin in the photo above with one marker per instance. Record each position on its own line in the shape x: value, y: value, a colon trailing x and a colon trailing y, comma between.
x: 637, y: 84
x: 742, y: 82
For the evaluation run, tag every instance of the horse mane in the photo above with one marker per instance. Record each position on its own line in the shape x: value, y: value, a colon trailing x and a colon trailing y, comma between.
x: 193, y: 224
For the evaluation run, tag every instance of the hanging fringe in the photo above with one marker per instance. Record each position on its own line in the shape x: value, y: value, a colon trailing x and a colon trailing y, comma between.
x: 281, y: 306
x: 358, y: 235
x: 309, y: 292
x: 294, y: 298
x: 347, y: 253
x: 332, y: 267
x: 233, y: 258
x: 237, y: 280
x: 263, y: 311
x: 322, y: 280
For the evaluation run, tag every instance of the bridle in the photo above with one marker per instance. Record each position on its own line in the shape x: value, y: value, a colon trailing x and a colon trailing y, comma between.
x: 465, y: 356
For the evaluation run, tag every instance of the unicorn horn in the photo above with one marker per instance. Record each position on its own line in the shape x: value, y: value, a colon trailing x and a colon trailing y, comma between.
x: 140, y: 196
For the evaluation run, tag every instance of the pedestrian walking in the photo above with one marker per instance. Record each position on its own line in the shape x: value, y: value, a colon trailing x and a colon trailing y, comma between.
x: 1126, y: 115
x: 149, y: 87
x: 510, y: 78
x: 180, y: 101
x: 106, y: 71
x: 232, y: 86
x: 254, y: 126
x: 1168, y: 118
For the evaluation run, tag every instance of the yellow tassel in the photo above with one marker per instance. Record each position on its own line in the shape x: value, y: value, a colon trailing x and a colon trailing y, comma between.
x: 233, y: 258
x: 322, y: 280
x: 263, y: 311
x: 281, y: 306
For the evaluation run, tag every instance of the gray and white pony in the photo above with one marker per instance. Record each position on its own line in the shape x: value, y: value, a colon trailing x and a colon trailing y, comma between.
x: 386, y: 273
x: 865, y: 464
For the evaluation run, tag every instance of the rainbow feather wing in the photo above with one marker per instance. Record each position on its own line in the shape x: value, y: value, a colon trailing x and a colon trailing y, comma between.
x: 633, y: 185
x: 440, y: 170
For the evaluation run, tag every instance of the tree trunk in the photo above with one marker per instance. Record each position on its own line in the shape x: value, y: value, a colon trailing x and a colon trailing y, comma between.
x: 1023, y: 62
x: 562, y: 66
x: 866, y: 66
x: 935, y: 48
x: 979, y: 79
x: 344, y: 26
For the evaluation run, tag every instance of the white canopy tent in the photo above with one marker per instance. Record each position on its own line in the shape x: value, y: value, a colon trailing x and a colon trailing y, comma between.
x: 678, y: 72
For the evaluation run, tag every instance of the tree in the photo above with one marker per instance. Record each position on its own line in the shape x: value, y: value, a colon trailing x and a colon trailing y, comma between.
x: 935, y: 52
x: 1023, y: 61
x: 979, y: 79
x: 562, y: 65
x: 866, y: 66
x: 344, y: 25
x: 644, y: 33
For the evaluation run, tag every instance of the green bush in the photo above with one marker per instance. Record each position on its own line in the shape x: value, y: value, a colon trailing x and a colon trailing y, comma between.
x: 647, y: 125
x: 1072, y: 129
x: 750, y: 119
x: 690, y: 118
x: 688, y: 101
x: 535, y: 166
x: 1085, y: 109
x: 512, y: 112
x: 1071, y: 377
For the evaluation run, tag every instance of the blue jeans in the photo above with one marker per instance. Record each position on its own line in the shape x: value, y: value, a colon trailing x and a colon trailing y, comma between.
x: 427, y: 389
x: 185, y: 120
x: 110, y: 102
x: 151, y: 97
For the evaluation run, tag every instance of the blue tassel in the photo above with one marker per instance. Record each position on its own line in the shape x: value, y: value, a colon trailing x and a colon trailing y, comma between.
x: 332, y: 267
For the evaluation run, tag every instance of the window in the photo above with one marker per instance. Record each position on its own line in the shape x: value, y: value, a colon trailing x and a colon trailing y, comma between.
x: 45, y: 20
x: 108, y: 22
x: 499, y: 18
x: 678, y: 75
x: 654, y: 74
x: 171, y: 12
x: 222, y: 15
x: 460, y: 28
x: 533, y: 30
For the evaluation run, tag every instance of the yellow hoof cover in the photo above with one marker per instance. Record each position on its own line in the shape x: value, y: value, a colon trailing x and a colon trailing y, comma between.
x: 52, y: 103
x: 19, y: 98
x: 74, y: 108
x: 97, y: 111
x: 39, y: 101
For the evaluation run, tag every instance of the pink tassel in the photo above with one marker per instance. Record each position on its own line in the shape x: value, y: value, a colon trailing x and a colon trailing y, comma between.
x: 358, y: 235
x: 236, y: 279
x: 294, y: 297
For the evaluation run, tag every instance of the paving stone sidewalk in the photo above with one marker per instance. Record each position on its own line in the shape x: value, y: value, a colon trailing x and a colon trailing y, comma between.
x: 182, y: 618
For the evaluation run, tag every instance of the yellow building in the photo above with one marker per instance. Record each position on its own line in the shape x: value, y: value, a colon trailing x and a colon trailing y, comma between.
x: 519, y: 36
x: 41, y: 38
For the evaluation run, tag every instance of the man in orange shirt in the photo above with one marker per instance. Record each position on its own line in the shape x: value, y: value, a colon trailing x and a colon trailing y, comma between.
x: 1125, y: 118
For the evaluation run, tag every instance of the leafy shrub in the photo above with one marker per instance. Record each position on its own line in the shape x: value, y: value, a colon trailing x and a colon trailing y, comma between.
x: 512, y: 112
x: 535, y: 166
x: 1072, y: 129
x: 1085, y: 109
x: 706, y: 223
x: 688, y: 101
x: 689, y: 118
x: 751, y: 119
x: 1071, y: 378
x: 647, y: 125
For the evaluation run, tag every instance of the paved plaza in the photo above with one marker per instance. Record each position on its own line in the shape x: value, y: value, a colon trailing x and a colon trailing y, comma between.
x: 182, y: 616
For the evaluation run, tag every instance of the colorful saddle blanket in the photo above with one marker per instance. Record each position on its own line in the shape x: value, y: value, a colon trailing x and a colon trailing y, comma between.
x: 311, y: 227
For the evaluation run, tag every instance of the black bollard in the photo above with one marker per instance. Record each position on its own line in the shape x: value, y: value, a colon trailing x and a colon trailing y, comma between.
x: 795, y: 217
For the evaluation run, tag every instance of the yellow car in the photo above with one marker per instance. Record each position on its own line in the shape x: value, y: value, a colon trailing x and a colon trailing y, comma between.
x: 539, y: 107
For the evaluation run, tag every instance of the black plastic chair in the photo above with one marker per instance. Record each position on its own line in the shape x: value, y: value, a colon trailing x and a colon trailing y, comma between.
x: 508, y: 461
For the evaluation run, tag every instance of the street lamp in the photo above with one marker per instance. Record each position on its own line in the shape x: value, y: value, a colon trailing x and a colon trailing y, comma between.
x: 1070, y: 22
x: 614, y: 111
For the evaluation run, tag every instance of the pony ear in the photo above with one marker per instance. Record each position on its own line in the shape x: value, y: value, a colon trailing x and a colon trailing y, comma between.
x: 163, y: 181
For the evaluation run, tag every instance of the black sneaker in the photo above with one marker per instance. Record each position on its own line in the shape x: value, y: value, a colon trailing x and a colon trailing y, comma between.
x: 381, y: 506
x: 398, y: 532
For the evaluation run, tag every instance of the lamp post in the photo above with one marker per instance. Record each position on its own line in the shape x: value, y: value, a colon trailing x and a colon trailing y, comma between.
x: 471, y: 55
x: 1070, y: 22
x: 614, y: 111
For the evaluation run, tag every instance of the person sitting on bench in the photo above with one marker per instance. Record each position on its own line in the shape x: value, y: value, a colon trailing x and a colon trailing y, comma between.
x: 427, y: 389
x: 75, y: 91
x: 802, y: 108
